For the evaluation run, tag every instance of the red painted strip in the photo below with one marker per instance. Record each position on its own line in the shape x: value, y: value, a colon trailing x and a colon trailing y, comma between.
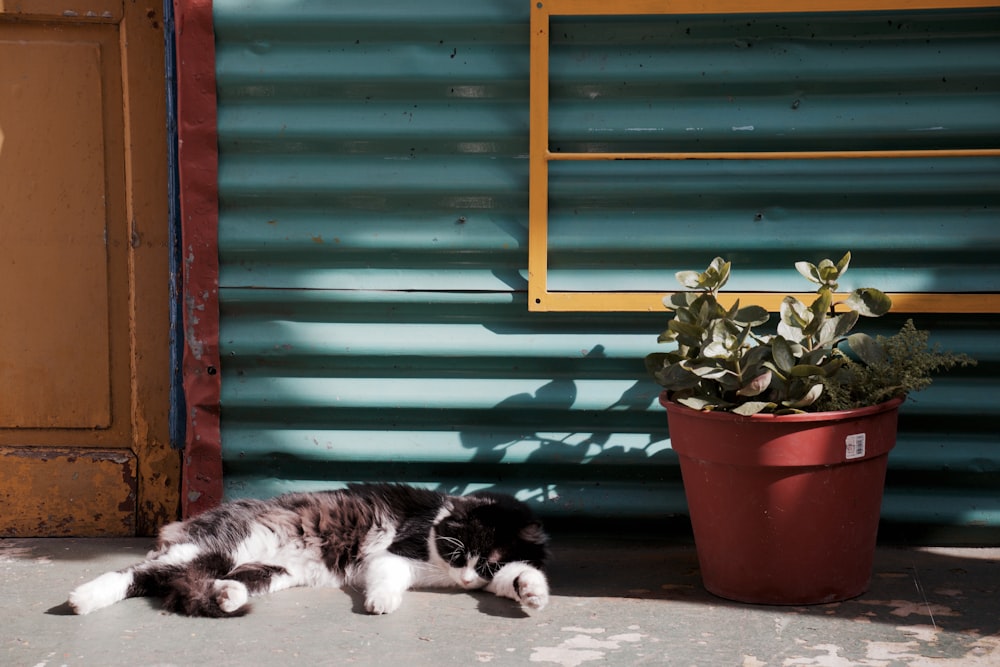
x: 198, y: 164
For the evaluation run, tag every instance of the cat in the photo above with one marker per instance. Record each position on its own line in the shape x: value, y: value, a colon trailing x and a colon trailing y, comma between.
x: 384, y: 538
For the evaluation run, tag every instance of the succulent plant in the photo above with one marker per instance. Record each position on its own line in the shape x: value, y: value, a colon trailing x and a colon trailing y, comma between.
x: 812, y: 363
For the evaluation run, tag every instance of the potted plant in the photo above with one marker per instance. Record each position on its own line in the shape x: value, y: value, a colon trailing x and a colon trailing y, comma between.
x: 783, y: 436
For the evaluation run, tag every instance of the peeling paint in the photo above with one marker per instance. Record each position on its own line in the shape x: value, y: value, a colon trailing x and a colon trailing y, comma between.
x: 67, y: 492
x: 906, y: 608
x: 585, y: 646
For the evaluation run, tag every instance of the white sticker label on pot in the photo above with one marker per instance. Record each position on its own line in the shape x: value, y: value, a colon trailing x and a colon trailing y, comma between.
x: 856, y: 446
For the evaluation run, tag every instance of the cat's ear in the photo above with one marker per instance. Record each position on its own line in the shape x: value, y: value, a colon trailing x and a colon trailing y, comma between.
x: 533, y: 533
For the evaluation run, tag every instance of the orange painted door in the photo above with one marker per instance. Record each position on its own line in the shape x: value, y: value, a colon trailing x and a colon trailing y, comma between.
x: 84, y: 366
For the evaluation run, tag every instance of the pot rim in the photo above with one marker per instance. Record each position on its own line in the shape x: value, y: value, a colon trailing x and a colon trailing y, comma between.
x: 830, y: 415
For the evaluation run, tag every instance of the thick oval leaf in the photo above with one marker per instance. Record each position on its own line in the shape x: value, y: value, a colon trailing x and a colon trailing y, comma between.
x: 866, y: 348
x: 810, y: 397
x: 805, y: 370
x: 794, y: 313
x: 677, y: 300
x: 794, y: 334
x: 869, y: 302
x: 828, y: 272
x: 667, y: 336
x: 756, y: 386
x: 751, y: 315
x: 717, y: 350
x: 845, y: 322
x: 655, y: 362
x: 753, y: 407
x: 685, y: 333
x: 675, y: 377
x: 782, y: 353
x: 844, y: 262
x: 820, y: 309
x: 809, y: 271
x: 720, y: 269
x: 689, y: 279
x: 709, y: 372
x: 782, y: 375
x: 696, y: 403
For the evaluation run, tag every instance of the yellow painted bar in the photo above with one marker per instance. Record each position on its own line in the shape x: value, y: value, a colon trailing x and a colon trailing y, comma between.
x: 538, y: 189
x: 637, y: 7
x: 781, y: 155
x: 637, y: 302
x: 540, y: 299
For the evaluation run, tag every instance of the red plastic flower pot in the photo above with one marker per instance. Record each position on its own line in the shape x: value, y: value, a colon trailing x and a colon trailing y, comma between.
x: 785, y: 509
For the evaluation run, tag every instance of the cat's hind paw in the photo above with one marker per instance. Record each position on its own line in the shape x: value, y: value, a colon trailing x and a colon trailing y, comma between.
x: 106, y: 590
x: 532, y: 589
x: 230, y: 595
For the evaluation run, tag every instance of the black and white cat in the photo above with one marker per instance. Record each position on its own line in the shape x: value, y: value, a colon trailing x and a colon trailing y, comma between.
x: 384, y: 538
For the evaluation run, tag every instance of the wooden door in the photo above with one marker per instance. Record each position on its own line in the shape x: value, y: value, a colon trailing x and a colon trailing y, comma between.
x: 84, y: 365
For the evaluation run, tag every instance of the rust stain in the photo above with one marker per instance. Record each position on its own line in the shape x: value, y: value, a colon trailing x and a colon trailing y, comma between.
x: 62, y: 492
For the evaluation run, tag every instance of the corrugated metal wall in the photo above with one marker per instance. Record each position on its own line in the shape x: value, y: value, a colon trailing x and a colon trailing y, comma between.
x: 373, y: 231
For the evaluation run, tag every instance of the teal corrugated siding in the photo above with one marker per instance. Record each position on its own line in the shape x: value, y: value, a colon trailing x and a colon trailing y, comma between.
x: 373, y: 237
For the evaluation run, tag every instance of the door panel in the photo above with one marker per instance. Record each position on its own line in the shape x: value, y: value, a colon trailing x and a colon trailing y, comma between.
x: 55, y: 236
x: 83, y: 283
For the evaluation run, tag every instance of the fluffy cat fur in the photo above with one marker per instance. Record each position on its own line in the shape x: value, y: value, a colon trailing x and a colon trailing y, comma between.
x: 384, y: 538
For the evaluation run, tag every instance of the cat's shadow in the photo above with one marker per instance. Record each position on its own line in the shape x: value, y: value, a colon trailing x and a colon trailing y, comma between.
x: 491, y: 605
x: 487, y: 603
x: 61, y: 610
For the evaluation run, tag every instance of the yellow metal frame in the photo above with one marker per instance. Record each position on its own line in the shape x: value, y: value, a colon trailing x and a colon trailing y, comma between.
x: 539, y: 296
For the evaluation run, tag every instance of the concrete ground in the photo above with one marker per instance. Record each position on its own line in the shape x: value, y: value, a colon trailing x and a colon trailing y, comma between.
x: 626, y: 603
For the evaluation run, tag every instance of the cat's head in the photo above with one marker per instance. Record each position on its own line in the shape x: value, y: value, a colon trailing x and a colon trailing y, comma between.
x: 484, y: 532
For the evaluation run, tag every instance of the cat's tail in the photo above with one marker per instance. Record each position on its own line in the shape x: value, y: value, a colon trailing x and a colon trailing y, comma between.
x: 207, y: 585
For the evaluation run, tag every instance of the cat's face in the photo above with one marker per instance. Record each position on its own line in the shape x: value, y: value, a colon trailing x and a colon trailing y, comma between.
x: 483, y: 534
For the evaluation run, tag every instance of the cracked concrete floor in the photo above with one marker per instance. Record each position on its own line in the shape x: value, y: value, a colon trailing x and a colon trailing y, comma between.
x: 625, y: 602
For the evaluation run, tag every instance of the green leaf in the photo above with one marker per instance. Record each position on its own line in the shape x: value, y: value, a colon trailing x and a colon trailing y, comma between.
x: 810, y: 272
x: 655, y: 362
x: 756, y: 386
x: 794, y: 313
x: 828, y: 272
x: 751, y: 316
x: 844, y: 323
x: 721, y: 269
x: 782, y: 375
x: 714, y: 277
x: 697, y: 403
x: 844, y: 262
x: 685, y: 333
x: 689, y: 279
x: 866, y: 348
x: 677, y: 300
x: 782, y: 353
x: 709, y: 372
x: 675, y: 377
x: 805, y: 370
x: 809, y: 398
x: 754, y: 357
x: 819, y: 310
x: 666, y: 336
x: 716, y: 350
x: 869, y: 302
x: 751, y: 408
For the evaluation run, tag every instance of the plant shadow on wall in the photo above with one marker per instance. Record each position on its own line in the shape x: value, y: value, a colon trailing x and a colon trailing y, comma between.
x: 618, y: 455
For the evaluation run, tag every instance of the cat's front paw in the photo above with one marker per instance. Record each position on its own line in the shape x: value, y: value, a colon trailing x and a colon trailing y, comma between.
x: 383, y: 601
x: 532, y: 589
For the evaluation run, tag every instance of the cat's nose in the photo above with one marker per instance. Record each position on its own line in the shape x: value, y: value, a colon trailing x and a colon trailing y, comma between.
x: 468, y: 578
